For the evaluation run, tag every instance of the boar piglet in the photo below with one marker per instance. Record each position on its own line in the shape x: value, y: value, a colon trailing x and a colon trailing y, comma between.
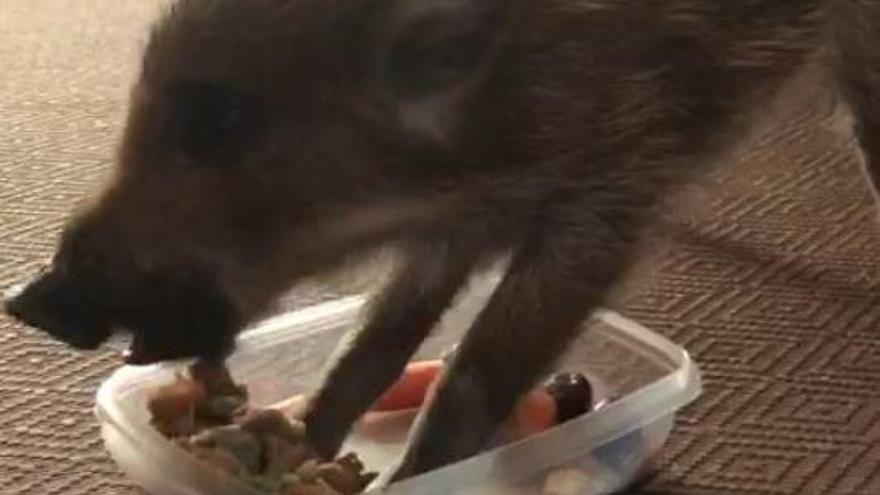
x: 272, y: 140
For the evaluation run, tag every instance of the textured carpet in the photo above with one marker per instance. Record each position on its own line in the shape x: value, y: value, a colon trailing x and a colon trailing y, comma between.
x: 771, y: 282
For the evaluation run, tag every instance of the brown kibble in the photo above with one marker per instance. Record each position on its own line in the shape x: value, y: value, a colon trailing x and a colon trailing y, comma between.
x: 273, y: 451
x: 265, y: 483
x: 308, y: 471
x: 222, y: 460
x: 318, y: 488
x: 341, y: 478
x: 282, y: 457
x: 179, y: 427
x: 351, y: 461
x: 273, y: 422
x: 266, y: 448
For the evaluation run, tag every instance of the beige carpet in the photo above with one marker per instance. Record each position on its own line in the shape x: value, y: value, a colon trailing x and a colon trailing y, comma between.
x: 772, y: 285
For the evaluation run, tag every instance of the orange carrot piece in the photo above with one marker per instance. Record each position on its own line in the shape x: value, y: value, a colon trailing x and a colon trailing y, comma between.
x: 411, y: 389
x: 534, y: 413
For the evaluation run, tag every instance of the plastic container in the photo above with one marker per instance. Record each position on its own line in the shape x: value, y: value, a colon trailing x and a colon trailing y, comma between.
x: 646, y: 378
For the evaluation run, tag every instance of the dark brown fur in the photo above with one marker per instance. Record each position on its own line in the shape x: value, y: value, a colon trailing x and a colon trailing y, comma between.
x: 456, y: 131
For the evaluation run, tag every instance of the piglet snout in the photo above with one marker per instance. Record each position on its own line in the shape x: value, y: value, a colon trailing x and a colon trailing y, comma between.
x: 66, y: 306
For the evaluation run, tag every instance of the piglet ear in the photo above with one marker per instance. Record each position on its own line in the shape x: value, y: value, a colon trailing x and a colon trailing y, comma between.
x: 432, y: 53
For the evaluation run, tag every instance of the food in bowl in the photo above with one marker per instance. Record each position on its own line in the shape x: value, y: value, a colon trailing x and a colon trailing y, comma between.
x: 207, y: 414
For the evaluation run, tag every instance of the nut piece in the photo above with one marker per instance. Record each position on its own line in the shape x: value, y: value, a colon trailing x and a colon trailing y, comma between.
x: 281, y: 457
x: 263, y: 422
x: 240, y: 443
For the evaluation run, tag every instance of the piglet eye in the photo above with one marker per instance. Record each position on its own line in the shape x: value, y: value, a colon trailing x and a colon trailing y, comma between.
x: 210, y: 118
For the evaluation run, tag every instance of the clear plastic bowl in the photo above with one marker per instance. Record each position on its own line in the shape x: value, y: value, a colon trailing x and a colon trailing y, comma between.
x: 645, y: 377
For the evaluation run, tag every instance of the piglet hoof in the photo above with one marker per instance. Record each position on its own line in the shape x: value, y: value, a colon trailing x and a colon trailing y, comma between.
x: 324, y: 439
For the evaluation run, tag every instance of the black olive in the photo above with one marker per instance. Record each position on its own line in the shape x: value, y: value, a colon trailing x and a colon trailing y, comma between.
x: 573, y: 394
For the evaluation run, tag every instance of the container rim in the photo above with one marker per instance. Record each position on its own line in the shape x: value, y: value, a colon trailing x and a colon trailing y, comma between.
x: 537, y: 453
